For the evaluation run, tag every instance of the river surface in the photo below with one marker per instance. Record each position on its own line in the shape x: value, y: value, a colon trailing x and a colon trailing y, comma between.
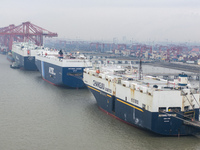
x: 35, y: 115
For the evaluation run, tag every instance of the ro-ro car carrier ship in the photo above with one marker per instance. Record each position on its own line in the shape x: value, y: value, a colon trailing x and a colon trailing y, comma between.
x: 163, y: 107
x: 62, y: 69
x: 24, y: 54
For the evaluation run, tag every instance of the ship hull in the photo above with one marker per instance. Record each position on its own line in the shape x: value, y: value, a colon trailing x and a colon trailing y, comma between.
x: 25, y: 62
x: 61, y: 76
x: 3, y: 52
x: 159, y: 123
x: 10, y: 58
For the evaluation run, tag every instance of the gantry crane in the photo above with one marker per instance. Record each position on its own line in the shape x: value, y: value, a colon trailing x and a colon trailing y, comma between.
x: 23, y: 33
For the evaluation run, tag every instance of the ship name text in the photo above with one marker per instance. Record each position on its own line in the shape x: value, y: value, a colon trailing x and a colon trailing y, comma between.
x: 167, y: 115
x: 51, y: 71
x: 101, y: 86
x: 74, y: 69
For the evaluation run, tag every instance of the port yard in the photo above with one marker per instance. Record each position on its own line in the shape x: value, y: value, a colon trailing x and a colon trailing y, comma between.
x: 41, y: 116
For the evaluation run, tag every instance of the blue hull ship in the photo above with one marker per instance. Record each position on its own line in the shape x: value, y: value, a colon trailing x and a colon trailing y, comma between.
x: 25, y: 62
x: 24, y: 55
x: 10, y: 57
x: 167, y: 111
x: 159, y: 123
x: 62, y: 71
x: 3, y: 50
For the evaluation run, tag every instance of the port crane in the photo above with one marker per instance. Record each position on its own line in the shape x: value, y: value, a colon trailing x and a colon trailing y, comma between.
x: 23, y: 33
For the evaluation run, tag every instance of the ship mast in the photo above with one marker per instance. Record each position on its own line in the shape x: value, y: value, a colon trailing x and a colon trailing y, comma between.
x: 140, y: 71
x: 199, y: 80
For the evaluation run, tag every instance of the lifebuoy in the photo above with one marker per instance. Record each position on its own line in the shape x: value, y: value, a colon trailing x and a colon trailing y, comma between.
x: 97, y: 71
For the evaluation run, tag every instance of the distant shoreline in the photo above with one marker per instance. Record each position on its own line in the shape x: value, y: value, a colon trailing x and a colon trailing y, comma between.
x: 185, y: 67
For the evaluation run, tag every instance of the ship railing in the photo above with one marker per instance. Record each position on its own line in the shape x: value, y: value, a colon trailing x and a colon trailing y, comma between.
x: 185, y: 94
x: 64, y: 60
x: 195, y: 99
x: 186, y: 122
x: 192, y: 123
x: 188, y: 117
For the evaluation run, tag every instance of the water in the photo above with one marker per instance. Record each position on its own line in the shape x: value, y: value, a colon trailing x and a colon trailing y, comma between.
x: 35, y: 115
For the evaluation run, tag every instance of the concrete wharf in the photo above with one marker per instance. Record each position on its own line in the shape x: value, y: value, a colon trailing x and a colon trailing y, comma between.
x: 178, y: 66
x: 168, y: 76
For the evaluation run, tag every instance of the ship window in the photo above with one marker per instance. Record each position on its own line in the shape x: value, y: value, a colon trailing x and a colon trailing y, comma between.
x: 130, y: 79
x: 74, y: 74
x: 162, y: 109
x: 143, y: 106
x: 134, y: 101
x: 174, y: 109
x: 186, y: 108
x: 125, y: 98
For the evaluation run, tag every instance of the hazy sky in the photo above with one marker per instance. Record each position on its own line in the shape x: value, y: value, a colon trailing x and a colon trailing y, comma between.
x: 138, y: 20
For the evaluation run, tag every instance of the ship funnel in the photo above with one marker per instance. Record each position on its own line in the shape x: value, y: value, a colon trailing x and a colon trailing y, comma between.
x: 182, y: 79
